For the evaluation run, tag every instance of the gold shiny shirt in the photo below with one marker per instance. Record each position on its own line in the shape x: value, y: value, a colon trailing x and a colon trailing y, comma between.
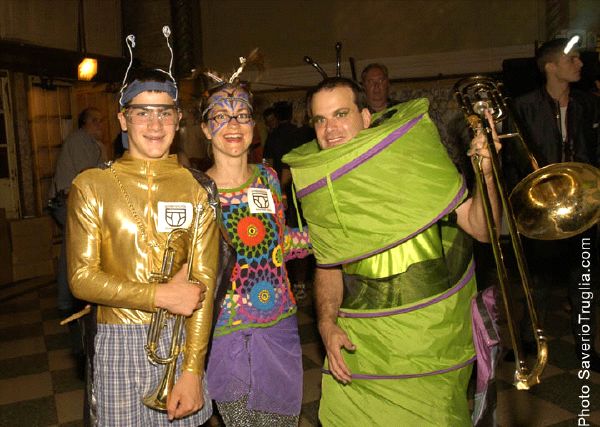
x: 110, y: 261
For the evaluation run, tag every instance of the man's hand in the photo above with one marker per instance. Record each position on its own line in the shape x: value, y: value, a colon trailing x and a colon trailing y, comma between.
x: 479, y: 147
x: 178, y: 296
x: 334, y: 339
x: 470, y: 214
x: 186, y: 397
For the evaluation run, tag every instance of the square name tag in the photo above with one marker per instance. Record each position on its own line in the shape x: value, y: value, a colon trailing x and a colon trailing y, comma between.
x: 260, y: 200
x: 172, y: 215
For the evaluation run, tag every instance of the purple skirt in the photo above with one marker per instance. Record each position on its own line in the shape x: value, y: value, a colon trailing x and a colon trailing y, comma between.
x: 263, y: 363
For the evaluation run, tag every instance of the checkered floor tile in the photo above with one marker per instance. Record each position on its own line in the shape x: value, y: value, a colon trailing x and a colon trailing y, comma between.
x: 39, y: 385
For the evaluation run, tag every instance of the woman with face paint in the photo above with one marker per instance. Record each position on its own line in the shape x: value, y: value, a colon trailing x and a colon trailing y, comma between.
x: 255, y: 364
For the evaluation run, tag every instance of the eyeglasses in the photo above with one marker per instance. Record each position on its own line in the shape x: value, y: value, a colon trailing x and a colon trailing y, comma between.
x: 144, y: 114
x: 222, y: 118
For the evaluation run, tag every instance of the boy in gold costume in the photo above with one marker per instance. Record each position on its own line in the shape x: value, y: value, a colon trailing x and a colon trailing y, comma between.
x: 118, y: 223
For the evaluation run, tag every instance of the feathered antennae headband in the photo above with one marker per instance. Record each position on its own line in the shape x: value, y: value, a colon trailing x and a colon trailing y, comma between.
x: 239, y: 70
x: 254, y: 59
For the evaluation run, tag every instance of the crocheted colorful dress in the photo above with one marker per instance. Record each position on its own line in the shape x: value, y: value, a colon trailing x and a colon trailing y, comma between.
x: 256, y: 350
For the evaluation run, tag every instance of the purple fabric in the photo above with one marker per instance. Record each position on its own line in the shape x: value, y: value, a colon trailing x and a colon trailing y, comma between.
x: 487, y: 342
x: 378, y: 148
x: 263, y: 363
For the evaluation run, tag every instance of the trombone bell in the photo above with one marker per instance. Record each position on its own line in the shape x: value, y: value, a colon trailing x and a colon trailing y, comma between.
x: 557, y: 201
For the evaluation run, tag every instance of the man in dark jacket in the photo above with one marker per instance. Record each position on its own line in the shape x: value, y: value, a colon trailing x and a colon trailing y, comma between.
x: 560, y: 124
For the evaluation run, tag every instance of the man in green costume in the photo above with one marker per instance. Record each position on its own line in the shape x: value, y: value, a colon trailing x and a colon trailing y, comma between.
x: 395, y: 274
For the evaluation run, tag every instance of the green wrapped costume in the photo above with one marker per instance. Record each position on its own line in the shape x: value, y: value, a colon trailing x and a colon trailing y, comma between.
x: 383, y: 206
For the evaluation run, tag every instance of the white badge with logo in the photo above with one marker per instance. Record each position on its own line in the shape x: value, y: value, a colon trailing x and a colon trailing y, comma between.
x: 260, y: 200
x: 172, y: 215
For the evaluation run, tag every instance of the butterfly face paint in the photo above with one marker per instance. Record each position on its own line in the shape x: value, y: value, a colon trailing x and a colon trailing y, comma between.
x: 229, y: 101
x: 228, y: 123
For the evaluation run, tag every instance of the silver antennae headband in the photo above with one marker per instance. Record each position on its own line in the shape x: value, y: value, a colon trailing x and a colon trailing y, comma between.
x: 338, y: 59
x: 166, y: 30
x: 321, y: 71
x: 130, y: 42
x: 167, y: 33
x: 338, y: 63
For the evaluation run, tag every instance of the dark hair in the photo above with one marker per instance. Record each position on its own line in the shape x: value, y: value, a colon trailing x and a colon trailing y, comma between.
x: 84, y: 116
x: 372, y: 66
x: 330, y: 83
x: 549, y: 52
x: 147, y: 79
x: 269, y: 111
x: 283, y: 111
x: 147, y: 75
x: 231, y: 86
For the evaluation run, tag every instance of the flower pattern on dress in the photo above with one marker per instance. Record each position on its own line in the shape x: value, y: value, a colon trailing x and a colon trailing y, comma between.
x: 278, y: 256
x: 251, y: 234
x: 251, y: 230
x: 262, y: 296
x: 260, y: 293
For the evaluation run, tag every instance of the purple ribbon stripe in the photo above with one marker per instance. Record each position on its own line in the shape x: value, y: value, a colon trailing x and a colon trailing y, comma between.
x: 378, y: 148
x: 407, y: 376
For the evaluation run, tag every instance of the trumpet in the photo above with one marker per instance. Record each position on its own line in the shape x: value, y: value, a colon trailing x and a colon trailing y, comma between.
x: 551, y: 203
x: 157, y: 399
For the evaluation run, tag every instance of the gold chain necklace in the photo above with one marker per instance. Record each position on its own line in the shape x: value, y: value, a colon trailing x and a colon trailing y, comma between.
x: 136, y: 217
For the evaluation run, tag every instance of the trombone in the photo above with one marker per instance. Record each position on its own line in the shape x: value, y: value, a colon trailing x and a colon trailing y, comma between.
x: 554, y: 202
x: 157, y: 399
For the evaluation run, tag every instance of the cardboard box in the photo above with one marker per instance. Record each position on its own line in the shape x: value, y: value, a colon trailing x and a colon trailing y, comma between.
x: 32, y: 269
x: 30, y: 227
x: 5, y: 258
x: 31, y: 247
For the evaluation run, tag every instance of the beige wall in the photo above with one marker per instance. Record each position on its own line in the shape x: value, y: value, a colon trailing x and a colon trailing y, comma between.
x: 53, y: 23
x: 585, y: 14
x: 414, y: 38
x: 288, y: 30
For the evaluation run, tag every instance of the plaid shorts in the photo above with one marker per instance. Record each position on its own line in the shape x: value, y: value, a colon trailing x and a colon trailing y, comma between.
x: 123, y: 375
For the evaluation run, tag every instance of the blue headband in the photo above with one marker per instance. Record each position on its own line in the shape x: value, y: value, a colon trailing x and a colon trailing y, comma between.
x: 133, y: 89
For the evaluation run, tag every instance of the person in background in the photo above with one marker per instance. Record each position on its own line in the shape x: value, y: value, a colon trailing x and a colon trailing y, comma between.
x: 376, y: 83
x: 82, y: 149
x: 270, y: 119
x: 561, y: 124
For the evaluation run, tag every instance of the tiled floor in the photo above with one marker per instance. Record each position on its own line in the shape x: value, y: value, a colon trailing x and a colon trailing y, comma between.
x: 39, y: 386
